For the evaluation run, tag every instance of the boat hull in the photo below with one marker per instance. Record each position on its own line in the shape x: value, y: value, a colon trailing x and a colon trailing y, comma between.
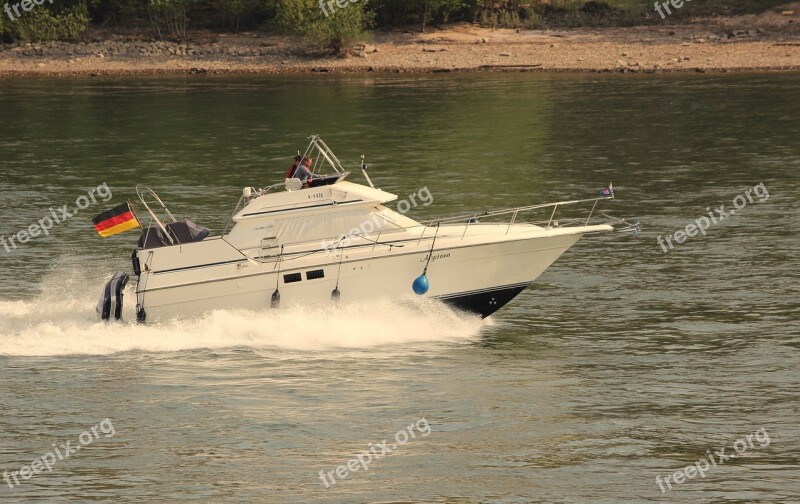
x: 484, y: 302
x: 475, y: 276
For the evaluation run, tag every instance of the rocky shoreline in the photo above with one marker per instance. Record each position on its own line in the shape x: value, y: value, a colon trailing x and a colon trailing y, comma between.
x: 769, y: 42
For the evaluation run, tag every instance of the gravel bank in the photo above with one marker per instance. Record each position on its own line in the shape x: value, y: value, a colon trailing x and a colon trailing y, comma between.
x: 770, y: 41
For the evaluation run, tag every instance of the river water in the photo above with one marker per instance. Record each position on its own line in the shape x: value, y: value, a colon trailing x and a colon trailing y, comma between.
x: 623, y: 363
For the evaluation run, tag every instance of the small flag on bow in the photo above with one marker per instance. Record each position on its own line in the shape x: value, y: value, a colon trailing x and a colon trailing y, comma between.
x: 607, y: 191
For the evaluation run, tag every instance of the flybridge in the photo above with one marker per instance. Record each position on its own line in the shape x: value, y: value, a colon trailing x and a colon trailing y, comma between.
x: 343, y: 193
x: 327, y: 170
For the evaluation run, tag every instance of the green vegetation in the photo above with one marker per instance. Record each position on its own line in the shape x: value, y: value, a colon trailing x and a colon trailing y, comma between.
x: 335, y: 31
x: 172, y: 19
x: 46, y: 24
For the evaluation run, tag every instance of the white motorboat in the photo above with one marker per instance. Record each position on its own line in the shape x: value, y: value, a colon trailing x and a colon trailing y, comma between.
x: 338, y: 241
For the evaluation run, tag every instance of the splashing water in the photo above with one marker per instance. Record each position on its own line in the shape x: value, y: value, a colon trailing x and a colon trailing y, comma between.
x: 62, y: 321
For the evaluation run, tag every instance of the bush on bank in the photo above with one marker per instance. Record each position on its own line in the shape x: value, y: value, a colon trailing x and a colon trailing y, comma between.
x: 334, y: 28
x: 43, y: 23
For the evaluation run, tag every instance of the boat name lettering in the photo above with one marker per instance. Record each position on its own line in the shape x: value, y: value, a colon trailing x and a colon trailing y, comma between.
x: 318, y: 195
x: 436, y: 257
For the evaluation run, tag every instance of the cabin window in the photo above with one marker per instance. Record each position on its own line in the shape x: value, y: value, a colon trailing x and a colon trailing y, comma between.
x: 313, y: 275
x: 292, y: 277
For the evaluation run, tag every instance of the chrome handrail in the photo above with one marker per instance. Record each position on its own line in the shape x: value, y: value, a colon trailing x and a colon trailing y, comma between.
x: 515, y: 211
x: 142, y: 191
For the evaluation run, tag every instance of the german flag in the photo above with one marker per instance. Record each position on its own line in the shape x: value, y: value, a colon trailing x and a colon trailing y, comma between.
x: 116, y: 220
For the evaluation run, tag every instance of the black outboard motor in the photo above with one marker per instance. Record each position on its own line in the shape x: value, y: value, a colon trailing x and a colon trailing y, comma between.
x: 111, y: 299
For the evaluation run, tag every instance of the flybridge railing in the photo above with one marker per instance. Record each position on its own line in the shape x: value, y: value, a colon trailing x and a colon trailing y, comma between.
x: 325, y: 152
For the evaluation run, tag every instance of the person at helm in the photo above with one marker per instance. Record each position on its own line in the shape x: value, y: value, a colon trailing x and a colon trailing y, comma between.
x: 303, y: 171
